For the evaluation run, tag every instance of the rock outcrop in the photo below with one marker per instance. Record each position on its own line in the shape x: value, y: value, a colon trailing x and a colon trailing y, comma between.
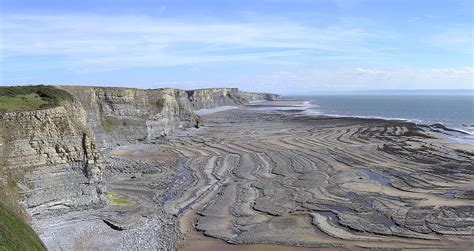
x: 257, y: 96
x: 213, y: 97
x: 52, y: 158
x: 126, y: 115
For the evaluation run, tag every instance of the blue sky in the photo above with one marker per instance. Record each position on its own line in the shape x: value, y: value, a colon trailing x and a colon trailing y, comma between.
x: 285, y: 46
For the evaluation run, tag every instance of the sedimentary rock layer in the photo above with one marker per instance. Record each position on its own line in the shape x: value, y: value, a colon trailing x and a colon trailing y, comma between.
x: 318, y: 182
x: 51, y: 156
x: 213, y: 97
x: 126, y: 115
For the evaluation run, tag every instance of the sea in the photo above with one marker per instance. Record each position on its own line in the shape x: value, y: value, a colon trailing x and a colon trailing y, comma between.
x: 453, y: 111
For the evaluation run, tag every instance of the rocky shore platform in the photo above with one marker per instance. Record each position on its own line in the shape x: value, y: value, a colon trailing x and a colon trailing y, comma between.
x: 274, y: 179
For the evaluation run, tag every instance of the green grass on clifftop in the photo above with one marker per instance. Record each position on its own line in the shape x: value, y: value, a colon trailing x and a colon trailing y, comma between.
x: 27, y: 98
x: 15, y: 234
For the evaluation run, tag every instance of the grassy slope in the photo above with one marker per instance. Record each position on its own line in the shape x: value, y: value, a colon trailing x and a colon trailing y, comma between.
x: 25, y: 98
x: 15, y: 234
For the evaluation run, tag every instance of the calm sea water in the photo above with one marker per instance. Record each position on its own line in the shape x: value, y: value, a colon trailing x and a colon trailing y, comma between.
x: 452, y: 111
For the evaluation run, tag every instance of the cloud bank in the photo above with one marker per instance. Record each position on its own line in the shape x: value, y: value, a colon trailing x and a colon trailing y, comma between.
x: 286, y: 54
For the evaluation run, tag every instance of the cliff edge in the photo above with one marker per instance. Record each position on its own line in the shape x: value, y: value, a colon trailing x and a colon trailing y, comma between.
x: 128, y: 115
x: 50, y: 155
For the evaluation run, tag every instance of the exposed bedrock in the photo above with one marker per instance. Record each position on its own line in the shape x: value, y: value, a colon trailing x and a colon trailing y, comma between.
x: 325, y: 182
x: 213, y: 97
x: 51, y: 156
x: 126, y: 115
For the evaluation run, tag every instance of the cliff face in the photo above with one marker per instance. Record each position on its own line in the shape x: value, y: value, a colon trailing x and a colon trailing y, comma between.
x: 51, y: 156
x: 209, y: 98
x: 213, y: 97
x: 124, y: 115
x: 256, y: 96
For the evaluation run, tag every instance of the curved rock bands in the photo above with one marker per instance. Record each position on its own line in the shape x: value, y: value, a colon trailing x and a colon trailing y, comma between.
x: 263, y: 177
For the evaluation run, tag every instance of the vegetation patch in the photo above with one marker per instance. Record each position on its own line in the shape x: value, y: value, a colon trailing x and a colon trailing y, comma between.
x: 15, y: 234
x: 118, y: 199
x: 110, y: 122
x: 27, y: 98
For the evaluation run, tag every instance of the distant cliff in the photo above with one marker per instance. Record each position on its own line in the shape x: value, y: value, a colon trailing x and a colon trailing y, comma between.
x: 127, y: 115
x: 213, y: 97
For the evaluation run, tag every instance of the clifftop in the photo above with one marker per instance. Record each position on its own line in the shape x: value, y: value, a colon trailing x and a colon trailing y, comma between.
x: 26, y: 98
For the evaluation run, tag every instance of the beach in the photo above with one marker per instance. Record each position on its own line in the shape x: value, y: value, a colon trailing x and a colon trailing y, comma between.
x: 258, y: 177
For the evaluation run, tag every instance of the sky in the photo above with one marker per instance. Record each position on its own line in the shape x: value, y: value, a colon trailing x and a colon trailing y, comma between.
x: 283, y: 46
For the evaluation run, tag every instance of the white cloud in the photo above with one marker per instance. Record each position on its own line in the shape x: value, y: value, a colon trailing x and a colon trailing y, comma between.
x: 95, y: 43
x: 370, y: 71
x: 361, y: 78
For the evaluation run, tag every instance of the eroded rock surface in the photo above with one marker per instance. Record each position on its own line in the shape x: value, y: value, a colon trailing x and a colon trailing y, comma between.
x: 318, y: 182
x: 126, y: 116
x: 53, y: 159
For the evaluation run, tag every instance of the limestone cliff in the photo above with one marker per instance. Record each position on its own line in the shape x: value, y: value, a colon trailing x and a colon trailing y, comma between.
x: 257, y: 96
x: 51, y: 157
x: 213, y: 97
x: 126, y: 115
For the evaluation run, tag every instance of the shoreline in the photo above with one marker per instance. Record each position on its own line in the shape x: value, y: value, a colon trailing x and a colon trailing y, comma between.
x: 304, y: 106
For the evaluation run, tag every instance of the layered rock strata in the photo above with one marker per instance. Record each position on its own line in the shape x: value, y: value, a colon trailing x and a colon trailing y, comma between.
x: 125, y: 115
x: 324, y: 182
x: 52, y: 157
x: 214, y: 97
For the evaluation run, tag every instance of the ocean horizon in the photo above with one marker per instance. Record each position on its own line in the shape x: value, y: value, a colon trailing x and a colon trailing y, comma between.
x: 453, y: 111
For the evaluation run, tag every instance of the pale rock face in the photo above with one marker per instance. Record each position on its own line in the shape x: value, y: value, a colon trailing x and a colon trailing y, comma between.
x: 126, y: 115
x: 122, y: 116
x: 213, y: 97
x: 252, y: 96
x: 53, y: 157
